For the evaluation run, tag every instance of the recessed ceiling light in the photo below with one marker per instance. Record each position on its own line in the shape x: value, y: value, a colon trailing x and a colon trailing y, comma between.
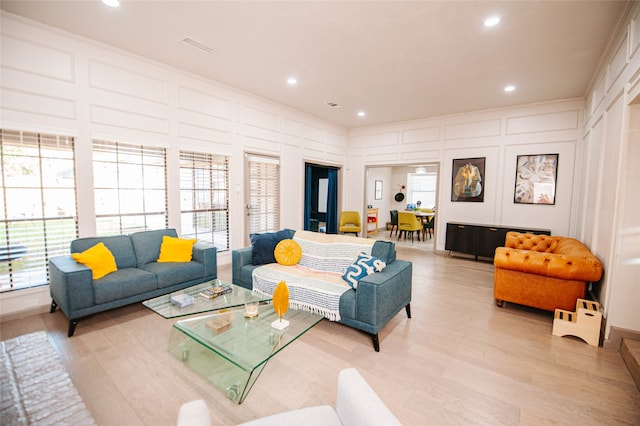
x: 111, y: 3
x: 509, y: 88
x: 292, y: 81
x: 361, y: 113
x: 492, y: 21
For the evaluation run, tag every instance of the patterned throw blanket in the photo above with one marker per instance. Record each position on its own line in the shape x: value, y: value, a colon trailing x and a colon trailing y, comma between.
x: 315, y: 283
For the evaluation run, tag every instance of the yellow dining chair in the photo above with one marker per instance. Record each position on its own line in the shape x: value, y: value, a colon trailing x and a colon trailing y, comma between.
x: 350, y: 223
x: 408, y: 222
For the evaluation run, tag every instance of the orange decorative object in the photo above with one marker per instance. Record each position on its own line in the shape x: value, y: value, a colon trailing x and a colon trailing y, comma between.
x: 281, y: 299
x: 545, y: 272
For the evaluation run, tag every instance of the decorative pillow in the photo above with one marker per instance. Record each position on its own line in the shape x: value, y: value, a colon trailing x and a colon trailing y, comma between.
x: 263, y: 246
x: 364, y: 265
x: 176, y: 249
x: 99, y: 259
x: 288, y: 252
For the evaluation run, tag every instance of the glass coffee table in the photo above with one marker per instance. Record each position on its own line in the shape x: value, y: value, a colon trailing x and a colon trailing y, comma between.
x: 231, y: 350
x: 237, y: 297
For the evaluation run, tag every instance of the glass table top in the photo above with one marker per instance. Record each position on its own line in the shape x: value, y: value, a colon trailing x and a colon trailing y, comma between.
x: 237, y: 297
x: 247, y: 342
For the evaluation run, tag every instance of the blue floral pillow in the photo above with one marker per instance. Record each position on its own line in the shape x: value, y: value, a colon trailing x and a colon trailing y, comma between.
x: 364, y: 265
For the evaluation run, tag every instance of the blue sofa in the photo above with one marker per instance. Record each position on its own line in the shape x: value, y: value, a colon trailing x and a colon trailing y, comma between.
x: 377, y: 299
x: 139, y: 276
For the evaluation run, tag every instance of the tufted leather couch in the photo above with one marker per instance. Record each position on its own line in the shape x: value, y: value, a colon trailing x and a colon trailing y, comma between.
x: 545, y: 272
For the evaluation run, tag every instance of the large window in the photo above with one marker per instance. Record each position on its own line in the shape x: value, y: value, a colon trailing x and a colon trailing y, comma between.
x: 130, y: 187
x: 264, y: 194
x: 204, y: 198
x: 422, y: 187
x: 38, y: 215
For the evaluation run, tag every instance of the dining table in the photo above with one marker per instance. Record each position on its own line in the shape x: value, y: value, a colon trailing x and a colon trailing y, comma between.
x: 424, y: 218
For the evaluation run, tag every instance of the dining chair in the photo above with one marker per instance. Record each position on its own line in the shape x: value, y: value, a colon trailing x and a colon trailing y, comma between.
x: 394, y: 221
x: 428, y: 227
x: 408, y: 222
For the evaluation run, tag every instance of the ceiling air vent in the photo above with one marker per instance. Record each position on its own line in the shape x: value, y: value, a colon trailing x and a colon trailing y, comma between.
x: 200, y: 46
x: 333, y: 104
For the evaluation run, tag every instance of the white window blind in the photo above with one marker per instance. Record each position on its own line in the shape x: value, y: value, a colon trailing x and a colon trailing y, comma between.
x: 130, y: 187
x: 38, y: 214
x: 264, y: 194
x: 204, y: 198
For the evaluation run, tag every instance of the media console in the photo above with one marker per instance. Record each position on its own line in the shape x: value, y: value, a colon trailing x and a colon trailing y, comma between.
x: 480, y: 240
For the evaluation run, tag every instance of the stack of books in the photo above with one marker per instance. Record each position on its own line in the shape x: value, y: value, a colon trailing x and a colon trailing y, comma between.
x: 213, y: 292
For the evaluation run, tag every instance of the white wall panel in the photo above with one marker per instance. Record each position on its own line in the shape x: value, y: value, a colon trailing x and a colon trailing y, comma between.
x: 260, y: 118
x: 292, y: 128
x: 127, y: 82
x: 562, y: 120
x: 36, y: 58
x: 35, y: 104
x: 314, y: 134
x: 634, y: 35
x: 476, y: 129
x: 203, y: 103
x: 129, y: 120
x: 421, y: 135
x: 202, y: 133
x: 617, y: 64
x: 259, y: 145
x: 383, y: 139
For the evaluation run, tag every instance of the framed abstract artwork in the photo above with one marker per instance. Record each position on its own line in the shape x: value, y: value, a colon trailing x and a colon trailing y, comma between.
x: 536, y: 177
x: 467, y: 180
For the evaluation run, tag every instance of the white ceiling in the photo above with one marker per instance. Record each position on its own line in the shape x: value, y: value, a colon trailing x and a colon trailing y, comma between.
x: 395, y: 60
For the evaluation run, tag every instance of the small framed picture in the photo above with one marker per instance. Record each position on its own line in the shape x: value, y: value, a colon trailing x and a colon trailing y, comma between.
x: 467, y: 179
x: 536, y: 177
x: 378, y: 190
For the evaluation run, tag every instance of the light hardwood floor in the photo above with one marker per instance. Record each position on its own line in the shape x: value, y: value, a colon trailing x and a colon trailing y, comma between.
x: 459, y: 361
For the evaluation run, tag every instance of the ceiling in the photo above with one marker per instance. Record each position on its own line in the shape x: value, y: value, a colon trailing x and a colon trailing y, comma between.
x: 394, y: 60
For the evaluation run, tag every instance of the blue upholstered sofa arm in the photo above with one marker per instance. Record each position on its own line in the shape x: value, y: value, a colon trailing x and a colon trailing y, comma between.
x: 240, y: 258
x: 70, y: 284
x: 207, y: 255
x: 379, y: 296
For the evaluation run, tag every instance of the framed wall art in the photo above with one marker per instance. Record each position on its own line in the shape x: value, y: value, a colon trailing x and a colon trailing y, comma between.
x: 467, y: 179
x: 536, y: 177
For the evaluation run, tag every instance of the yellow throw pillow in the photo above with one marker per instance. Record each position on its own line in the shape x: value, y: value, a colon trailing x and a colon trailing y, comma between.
x: 288, y: 252
x: 176, y: 249
x: 99, y: 259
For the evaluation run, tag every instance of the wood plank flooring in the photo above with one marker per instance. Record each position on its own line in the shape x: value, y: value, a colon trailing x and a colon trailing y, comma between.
x: 459, y: 361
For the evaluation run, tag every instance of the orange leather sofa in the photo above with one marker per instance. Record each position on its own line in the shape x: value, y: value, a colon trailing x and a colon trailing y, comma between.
x: 545, y: 272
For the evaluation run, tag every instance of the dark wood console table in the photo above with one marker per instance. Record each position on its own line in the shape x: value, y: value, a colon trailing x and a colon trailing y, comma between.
x: 480, y: 240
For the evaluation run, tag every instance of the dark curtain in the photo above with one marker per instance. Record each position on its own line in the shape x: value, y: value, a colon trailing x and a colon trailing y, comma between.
x: 308, y: 190
x: 332, y: 202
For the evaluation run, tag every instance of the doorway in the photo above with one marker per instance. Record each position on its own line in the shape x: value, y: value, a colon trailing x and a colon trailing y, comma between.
x: 262, y: 194
x: 321, y: 198
x: 395, y: 187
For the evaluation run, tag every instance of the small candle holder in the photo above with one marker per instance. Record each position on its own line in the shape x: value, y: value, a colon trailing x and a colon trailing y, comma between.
x: 251, y: 309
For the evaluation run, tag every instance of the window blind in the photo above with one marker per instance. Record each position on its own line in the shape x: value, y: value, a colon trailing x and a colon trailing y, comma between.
x: 130, y: 184
x: 204, y: 197
x: 264, y: 194
x: 38, y: 209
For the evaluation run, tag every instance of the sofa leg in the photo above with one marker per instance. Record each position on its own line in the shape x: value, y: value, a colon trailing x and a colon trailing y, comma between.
x: 376, y: 342
x: 54, y: 306
x: 408, y: 309
x: 499, y: 303
x: 72, y: 327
